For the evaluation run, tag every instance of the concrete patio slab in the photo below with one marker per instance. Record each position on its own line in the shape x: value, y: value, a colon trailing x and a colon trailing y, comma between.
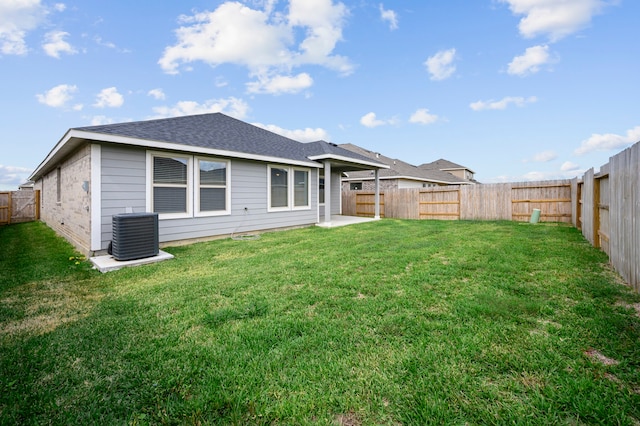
x: 107, y: 263
x: 339, y: 220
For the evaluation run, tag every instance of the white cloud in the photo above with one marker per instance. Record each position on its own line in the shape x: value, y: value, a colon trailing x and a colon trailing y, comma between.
x: 370, y: 120
x: 608, y: 141
x: 109, y: 97
x: 502, y: 103
x: 302, y: 135
x: 568, y: 172
x: 55, y: 44
x: 99, y: 120
x: 280, y: 84
x: 440, y: 65
x: 568, y: 166
x: 262, y: 40
x: 157, y: 94
x: 554, y: 18
x: 17, y: 18
x: 530, y: 61
x: 390, y: 16
x: 544, y: 156
x: 11, y: 177
x: 423, y: 116
x: 231, y: 106
x: 58, y: 96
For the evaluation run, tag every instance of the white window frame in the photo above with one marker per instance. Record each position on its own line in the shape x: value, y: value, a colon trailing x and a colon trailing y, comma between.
x: 323, y: 177
x: 189, y: 187
x: 290, y: 188
x: 192, y: 187
x: 196, y: 189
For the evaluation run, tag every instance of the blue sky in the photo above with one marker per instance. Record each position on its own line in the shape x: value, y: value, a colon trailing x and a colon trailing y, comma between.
x: 513, y: 89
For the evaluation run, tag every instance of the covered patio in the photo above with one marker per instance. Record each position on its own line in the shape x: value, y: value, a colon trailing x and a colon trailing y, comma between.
x: 337, y: 161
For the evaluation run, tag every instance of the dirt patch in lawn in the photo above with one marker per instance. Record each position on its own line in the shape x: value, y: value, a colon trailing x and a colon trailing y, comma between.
x: 599, y: 357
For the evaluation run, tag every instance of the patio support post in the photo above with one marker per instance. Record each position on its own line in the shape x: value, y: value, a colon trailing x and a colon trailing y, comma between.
x: 377, y: 196
x: 327, y: 192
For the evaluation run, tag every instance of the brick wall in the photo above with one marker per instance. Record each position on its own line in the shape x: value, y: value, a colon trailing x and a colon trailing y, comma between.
x: 70, y: 216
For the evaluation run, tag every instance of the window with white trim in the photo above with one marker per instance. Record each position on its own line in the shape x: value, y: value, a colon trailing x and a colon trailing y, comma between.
x: 289, y: 188
x: 170, y: 185
x: 321, y: 186
x: 186, y: 186
x: 211, y: 186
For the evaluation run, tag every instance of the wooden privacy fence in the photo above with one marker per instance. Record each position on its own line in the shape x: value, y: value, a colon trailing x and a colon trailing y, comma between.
x: 503, y: 201
x: 605, y: 206
x: 607, y: 211
x: 19, y: 206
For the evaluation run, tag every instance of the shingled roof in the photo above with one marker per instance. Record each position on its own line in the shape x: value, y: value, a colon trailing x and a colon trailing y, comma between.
x: 443, y: 164
x: 212, y: 134
x: 399, y: 168
x: 215, y: 131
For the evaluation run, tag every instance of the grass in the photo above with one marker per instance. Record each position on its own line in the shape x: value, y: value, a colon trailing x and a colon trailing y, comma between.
x: 390, y: 322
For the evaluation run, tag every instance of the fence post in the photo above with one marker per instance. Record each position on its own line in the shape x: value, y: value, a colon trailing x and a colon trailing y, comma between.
x: 596, y: 212
x: 37, y: 206
x: 10, y: 206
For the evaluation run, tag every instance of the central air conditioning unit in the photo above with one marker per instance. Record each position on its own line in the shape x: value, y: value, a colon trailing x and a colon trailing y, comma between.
x: 135, y: 236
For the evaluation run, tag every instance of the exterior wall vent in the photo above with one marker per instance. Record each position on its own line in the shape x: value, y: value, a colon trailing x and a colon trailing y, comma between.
x: 135, y: 236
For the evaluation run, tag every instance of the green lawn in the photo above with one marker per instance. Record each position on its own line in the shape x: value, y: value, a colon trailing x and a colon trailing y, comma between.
x: 384, y: 323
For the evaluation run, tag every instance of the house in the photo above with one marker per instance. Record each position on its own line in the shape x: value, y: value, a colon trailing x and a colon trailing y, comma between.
x: 206, y: 176
x: 457, y: 170
x: 400, y: 175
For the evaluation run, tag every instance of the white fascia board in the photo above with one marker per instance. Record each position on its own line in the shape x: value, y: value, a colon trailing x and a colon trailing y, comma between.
x: 72, y: 135
x: 125, y: 140
x: 61, y: 143
x: 348, y: 160
x: 409, y: 178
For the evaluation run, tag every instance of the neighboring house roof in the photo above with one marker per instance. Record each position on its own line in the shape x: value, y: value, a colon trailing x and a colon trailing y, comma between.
x: 443, y: 164
x: 400, y: 169
x: 212, y: 134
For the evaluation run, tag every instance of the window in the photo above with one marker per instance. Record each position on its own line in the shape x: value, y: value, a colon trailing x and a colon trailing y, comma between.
x: 212, y: 194
x: 288, y: 188
x: 171, y: 185
x: 355, y: 186
x: 186, y: 186
x: 300, y: 188
x: 321, y: 186
x: 279, y: 187
x: 58, y: 185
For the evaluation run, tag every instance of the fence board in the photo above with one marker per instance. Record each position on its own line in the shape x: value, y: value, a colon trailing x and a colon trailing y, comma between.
x: 5, y: 208
x: 587, y: 218
x: 19, y: 206
x: 624, y: 214
x: 486, y: 202
x: 502, y: 201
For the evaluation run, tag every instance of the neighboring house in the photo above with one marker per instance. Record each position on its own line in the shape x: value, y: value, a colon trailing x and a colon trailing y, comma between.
x: 457, y: 170
x: 205, y: 175
x: 400, y: 174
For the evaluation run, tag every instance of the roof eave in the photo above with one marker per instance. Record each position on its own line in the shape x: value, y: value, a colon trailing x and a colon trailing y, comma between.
x: 413, y: 178
x: 73, y: 138
x: 348, y: 160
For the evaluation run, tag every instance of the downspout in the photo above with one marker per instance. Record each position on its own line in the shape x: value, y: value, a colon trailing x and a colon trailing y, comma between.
x: 377, y: 196
x: 327, y: 192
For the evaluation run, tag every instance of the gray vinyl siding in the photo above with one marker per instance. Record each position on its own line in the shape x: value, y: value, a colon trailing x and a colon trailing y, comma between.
x: 123, y: 186
x: 123, y: 176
